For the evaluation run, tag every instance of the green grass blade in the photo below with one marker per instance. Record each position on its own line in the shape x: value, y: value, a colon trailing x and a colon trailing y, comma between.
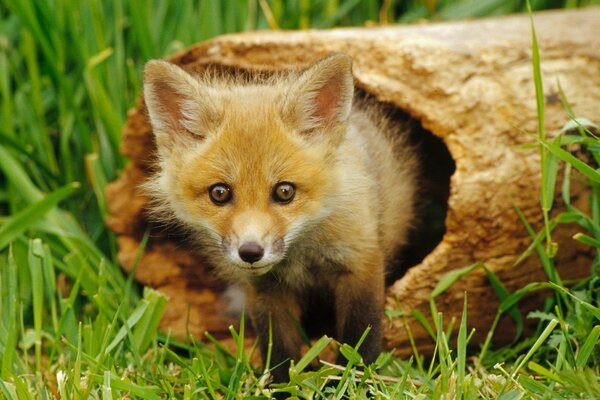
x: 543, y: 336
x: 545, y: 372
x: 16, y: 174
x: 517, y: 295
x: 549, y: 165
x: 502, y: 294
x: 141, y: 28
x: 125, y: 385
x: 537, y: 78
x: 311, y: 354
x: 545, y: 258
x: 451, y: 277
x: 591, y: 343
x: 352, y: 356
x: 235, y: 381
x: 145, y: 330
x: 133, y: 319
x: 77, y: 365
x: 591, y: 308
x: 551, y: 168
x: 470, y: 8
x: 421, y: 319
x: 461, y: 349
x: 583, y: 238
x: 8, y: 390
x: 8, y: 283
x: 564, y: 155
x: 36, y: 270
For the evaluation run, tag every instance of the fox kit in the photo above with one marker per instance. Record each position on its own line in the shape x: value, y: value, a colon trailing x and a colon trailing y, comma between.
x: 293, y: 191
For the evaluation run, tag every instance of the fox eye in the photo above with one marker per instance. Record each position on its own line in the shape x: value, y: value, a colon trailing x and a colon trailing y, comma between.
x: 284, y: 192
x: 219, y: 193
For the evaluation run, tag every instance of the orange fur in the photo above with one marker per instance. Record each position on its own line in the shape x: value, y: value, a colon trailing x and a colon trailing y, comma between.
x: 353, y: 173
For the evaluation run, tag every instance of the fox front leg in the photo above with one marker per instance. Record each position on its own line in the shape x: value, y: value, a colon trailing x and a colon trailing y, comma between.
x: 276, y: 311
x: 359, y: 304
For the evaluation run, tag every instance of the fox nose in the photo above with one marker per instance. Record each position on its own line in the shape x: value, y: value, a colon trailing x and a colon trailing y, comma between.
x: 251, y: 252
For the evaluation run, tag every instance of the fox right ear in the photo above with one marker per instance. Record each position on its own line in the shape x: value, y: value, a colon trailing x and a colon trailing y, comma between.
x: 177, y: 103
x: 321, y: 97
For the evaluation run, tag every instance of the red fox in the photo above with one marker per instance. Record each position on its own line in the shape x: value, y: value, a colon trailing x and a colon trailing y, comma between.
x: 295, y: 189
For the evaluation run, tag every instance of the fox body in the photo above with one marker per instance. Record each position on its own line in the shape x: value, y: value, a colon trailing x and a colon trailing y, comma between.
x: 291, y: 188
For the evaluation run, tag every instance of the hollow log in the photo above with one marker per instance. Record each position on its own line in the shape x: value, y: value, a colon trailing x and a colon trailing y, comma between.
x: 468, y: 89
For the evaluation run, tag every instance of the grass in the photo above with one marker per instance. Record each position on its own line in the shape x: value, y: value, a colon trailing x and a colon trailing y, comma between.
x: 73, y: 326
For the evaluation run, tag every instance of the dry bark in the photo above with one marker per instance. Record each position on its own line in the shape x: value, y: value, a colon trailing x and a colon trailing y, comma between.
x: 468, y: 83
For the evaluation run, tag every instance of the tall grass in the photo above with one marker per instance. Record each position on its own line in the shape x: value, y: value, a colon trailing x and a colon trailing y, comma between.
x: 72, y: 326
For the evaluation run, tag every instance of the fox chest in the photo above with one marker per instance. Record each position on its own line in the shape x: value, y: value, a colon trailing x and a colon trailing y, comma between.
x: 313, y: 266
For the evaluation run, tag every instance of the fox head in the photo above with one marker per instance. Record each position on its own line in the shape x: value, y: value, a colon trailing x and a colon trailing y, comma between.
x: 248, y: 166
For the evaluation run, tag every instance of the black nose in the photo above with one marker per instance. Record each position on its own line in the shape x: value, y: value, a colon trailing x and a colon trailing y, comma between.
x: 251, y: 252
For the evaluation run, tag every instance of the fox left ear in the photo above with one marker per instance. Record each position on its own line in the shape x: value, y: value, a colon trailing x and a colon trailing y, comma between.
x: 179, y: 106
x: 322, y: 97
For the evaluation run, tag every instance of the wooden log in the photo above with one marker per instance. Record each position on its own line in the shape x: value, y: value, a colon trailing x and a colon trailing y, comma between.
x: 468, y: 88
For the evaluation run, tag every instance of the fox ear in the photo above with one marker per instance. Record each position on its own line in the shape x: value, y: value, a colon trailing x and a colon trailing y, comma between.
x: 322, y: 96
x: 178, y: 105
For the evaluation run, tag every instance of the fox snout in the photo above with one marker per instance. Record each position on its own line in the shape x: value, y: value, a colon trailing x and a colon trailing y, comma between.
x: 255, y: 258
x: 252, y: 244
